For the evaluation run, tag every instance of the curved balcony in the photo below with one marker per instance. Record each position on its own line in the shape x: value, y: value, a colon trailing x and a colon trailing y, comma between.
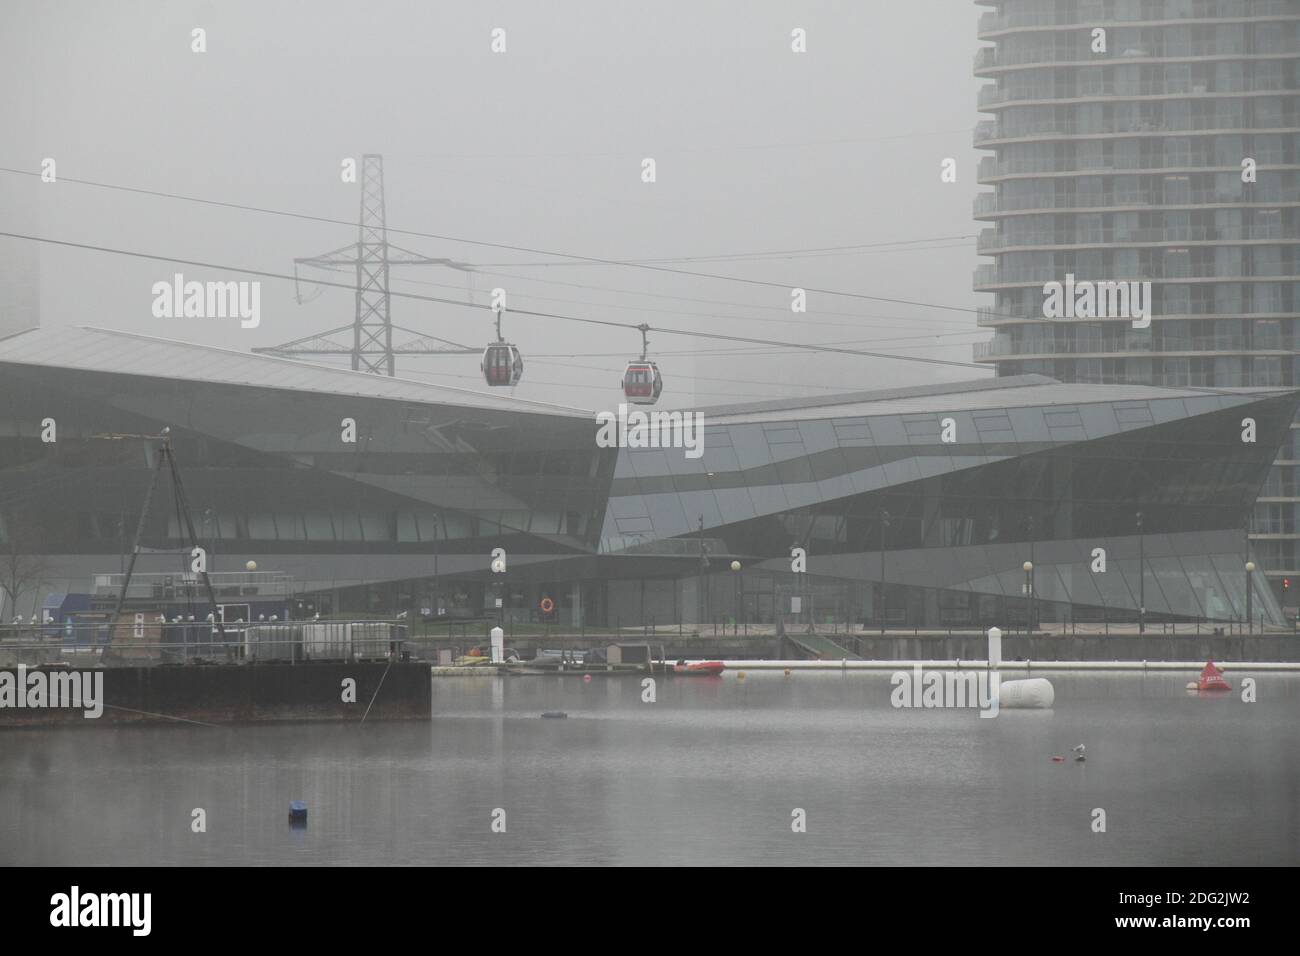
x: 992, y: 241
x: 996, y: 96
x: 990, y: 208
x: 993, y: 168
x: 985, y: 205
x: 990, y: 132
x: 1009, y: 59
x: 991, y: 277
x: 995, y: 319
x: 993, y: 23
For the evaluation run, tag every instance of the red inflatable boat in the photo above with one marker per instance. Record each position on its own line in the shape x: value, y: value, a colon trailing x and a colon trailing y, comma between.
x: 700, y: 669
x: 1212, y: 679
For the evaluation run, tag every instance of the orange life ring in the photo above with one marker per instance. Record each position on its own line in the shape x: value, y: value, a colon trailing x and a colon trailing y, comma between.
x: 547, y: 605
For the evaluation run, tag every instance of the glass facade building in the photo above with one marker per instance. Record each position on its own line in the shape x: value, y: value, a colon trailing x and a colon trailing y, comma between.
x: 1119, y: 132
x: 20, y: 272
x: 915, y: 507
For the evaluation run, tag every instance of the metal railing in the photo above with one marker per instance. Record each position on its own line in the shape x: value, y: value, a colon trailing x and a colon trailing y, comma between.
x: 1043, y: 55
x: 988, y: 131
x: 130, y: 643
x: 990, y: 167
x: 996, y: 95
x: 990, y: 275
x: 181, y: 584
x: 1212, y: 10
x: 991, y: 238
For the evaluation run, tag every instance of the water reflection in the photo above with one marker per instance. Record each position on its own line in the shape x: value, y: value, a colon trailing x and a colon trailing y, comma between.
x: 707, y: 774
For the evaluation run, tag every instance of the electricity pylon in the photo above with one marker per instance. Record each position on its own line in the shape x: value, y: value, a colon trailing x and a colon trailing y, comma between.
x: 371, y: 256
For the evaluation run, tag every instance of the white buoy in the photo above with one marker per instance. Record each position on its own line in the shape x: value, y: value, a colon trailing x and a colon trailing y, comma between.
x: 1034, y: 693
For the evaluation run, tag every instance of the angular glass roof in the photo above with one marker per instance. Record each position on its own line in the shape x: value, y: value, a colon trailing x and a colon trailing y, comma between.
x: 127, y: 353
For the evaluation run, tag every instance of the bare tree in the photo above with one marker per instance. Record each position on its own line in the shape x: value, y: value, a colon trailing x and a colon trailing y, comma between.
x: 22, y: 568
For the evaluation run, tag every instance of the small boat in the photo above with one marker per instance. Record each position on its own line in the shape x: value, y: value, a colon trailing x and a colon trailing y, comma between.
x: 699, y: 668
x: 1212, y: 679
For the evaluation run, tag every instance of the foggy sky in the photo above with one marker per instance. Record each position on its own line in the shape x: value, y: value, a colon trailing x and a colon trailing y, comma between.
x: 757, y: 149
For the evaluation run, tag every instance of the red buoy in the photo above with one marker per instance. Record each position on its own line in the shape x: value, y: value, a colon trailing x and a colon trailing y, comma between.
x: 1212, y: 679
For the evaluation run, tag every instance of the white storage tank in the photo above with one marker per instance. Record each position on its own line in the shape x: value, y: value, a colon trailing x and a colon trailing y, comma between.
x: 273, y: 642
x: 371, y: 640
x: 327, y: 641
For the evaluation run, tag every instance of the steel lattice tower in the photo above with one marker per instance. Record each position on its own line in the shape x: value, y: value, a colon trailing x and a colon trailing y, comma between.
x: 372, y: 331
x: 371, y: 256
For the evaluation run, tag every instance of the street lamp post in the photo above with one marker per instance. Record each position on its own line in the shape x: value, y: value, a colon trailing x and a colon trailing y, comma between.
x: 735, y: 566
x: 1029, y: 596
x: 1142, y: 578
x: 499, y: 586
x: 884, y: 523
x: 437, y: 602
x: 703, y: 602
x: 1250, y: 573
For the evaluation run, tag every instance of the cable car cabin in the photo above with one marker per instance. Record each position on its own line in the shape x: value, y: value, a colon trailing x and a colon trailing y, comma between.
x: 642, y: 383
x: 502, y: 364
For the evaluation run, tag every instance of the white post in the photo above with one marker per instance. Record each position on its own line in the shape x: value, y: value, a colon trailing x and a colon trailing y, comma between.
x: 995, y: 647
x: 498, y: 645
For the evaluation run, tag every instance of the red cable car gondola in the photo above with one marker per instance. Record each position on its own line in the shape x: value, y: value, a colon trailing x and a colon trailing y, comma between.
x: 502, y: 363
x: 642, y: 383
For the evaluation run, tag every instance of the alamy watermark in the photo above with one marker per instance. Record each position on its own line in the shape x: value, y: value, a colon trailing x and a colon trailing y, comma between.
x: 1098, y: 300
x: 949, y: 688
x: 179, y: 299
x: 60, y: 688
x: 633, y: 428
x: 75, y: 909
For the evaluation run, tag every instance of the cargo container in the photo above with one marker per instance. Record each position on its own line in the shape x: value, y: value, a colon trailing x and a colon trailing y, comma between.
x: 273, y: 642
x: 323, y: 641
x: 374, y: 640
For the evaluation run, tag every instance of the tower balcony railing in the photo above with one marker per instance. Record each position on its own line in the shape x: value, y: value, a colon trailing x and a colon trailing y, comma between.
x: 993, y: 317
x: 991, y: 239
x: 1173, y: 310
x: 992, y: 95
x: 1048, y: 56
x: 996, y: 94
x: 1000, y: 274
x: 995, y: 203
x: 990, y: 130
x: 1095, y: 14
x: 990, y: 168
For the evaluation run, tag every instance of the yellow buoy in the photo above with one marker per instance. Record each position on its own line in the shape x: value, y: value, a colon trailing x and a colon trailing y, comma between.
x: 740, y: 675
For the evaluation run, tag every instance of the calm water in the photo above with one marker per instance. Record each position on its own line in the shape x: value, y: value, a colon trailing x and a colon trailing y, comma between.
x: 708, y: 774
